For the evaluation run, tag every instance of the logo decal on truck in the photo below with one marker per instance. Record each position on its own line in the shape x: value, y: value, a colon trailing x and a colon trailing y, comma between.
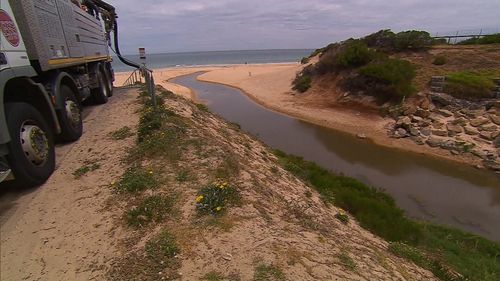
x: 8, y: 29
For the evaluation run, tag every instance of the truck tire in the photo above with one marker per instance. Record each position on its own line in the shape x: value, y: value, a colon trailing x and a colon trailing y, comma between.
x: 109, y: 83
x: 100, y: 94
x: 31, y: 149
x: 70, y: 116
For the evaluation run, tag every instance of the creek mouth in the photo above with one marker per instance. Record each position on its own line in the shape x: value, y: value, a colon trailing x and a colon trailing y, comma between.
x: 430, y: 189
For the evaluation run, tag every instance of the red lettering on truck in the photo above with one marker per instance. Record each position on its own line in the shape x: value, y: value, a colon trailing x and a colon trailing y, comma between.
x: 8, y: 29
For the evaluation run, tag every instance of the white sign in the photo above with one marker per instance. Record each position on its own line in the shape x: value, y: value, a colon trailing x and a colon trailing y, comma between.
x: 142, y: 53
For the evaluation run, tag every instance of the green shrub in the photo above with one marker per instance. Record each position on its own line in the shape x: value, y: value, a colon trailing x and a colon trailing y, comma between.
x: 136, y: 179
x: 162, y: 248
x: 78, y: 173
x: 202, y: 107
x: 154, y: 208
x: 121, y: 133
x: 264, y: 272
x: 302, y: 82
x: 342, y: 217
x: 386, y: 40
x: 469, y: 85
x: 382, y: 40
x: 354, y: 54
x: 488, y: 39
x: 392, y: 77
x: 216, y: 197
x: 151, y: 120
x: 412, y: 40
x: 304, y: 60
x: 439, y: 60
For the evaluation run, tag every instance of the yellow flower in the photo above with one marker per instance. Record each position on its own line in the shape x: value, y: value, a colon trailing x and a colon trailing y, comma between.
x: 218, y: 208
x: 113, y: 183
x: 199, y: 198
x: 150, y: 172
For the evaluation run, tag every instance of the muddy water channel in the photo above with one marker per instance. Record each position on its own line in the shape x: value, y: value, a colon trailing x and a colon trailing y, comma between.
x: 426, y: 188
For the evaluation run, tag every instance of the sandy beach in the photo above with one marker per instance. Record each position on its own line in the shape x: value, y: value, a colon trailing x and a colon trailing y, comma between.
x: 270, y: 86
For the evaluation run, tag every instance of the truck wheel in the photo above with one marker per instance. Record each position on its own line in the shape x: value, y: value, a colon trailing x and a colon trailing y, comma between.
x: 70, y: 116
x: 109, y: 83
x: 100, y: 94
x: 31, y: 149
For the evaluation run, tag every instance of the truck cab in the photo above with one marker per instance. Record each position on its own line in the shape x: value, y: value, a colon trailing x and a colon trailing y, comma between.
x: 53, y: 57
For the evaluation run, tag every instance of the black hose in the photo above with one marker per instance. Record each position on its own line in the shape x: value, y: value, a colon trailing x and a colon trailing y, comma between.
x: 117, y: 49
x: 112, y: 14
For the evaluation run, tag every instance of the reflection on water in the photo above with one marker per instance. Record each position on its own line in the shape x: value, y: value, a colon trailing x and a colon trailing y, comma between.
x: 426, y: 188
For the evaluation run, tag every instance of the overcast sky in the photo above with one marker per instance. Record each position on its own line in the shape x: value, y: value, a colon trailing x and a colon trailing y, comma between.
x: 207, y: 25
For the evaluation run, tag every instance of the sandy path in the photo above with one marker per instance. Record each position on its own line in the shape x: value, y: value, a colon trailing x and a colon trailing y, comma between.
x: 61, y: 231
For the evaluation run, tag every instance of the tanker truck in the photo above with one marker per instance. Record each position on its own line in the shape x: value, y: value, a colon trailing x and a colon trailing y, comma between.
x: 54, y: 56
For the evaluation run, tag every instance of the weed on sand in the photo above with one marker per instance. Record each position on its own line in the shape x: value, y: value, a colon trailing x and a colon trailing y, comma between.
x: 265, y: 272
x: 152, y: 209
x: 80, y: 172
x: 137, y: 179
x: 121, y: 133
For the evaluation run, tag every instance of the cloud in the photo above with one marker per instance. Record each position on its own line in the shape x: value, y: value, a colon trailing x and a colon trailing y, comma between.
x: 175, y: 25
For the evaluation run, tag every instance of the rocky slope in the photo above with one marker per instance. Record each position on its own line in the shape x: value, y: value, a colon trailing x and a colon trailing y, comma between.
x: 460, y: 126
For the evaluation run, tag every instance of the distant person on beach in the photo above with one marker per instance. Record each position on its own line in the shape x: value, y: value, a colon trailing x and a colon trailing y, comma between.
x: 91, y: 8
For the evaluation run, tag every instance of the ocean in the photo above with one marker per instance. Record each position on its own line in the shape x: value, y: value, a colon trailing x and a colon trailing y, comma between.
x: 156, y: 61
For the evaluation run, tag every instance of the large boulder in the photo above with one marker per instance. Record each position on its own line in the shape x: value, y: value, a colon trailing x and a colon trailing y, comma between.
x: 434, y: 141
x: 495, y: 118
x: 485, y: 135
x: 439, y: 132
x: 489, y: 128
x: 426, y: 131
x: 448, y: 144
x: 454, y: 129
x: 418, y: 140
x: 469, y: 130
x: 403, y: 122
x: 442, y: 99
x: 472, y: 113
x: 496, y: 142
x: 445, y: 113
x: 400, y: 133
x: 479, y: 121
x: 424, y: 113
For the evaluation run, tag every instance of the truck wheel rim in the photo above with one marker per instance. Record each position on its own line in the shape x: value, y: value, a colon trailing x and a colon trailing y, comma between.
x: 34, y: 143
x: 72, y: 112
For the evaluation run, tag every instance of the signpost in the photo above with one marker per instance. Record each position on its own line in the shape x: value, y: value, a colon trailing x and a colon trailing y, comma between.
x: 148, y: 75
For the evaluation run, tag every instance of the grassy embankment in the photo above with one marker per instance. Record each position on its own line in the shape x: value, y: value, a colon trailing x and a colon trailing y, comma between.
x: 156, y: 185
x: 449, y: 253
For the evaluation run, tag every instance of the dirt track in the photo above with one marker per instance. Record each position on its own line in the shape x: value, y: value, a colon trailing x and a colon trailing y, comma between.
x: 61, y: 231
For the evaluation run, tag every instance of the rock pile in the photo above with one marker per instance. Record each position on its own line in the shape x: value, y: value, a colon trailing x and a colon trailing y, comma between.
x: 459, y: 126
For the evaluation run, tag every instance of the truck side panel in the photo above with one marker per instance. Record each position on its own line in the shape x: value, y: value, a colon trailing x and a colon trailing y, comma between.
x: 58, y: 33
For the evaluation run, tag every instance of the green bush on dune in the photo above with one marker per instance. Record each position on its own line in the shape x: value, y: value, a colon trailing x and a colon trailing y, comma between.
x: 412, y: 40
x: 355, y: 54
x: 392, y: 78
